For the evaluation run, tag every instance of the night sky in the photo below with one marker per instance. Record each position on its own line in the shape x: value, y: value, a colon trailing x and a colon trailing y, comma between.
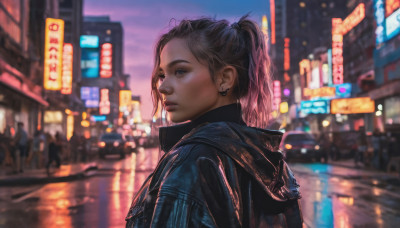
x: 145, y: 20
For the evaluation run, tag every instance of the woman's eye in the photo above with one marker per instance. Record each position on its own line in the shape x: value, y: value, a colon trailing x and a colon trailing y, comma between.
x: 180, y: 72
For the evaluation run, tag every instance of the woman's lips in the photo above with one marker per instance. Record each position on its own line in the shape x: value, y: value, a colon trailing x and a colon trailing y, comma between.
x: 170, y: 106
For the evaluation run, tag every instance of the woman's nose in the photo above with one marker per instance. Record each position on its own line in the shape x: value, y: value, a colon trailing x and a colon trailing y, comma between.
x: 164, y: 88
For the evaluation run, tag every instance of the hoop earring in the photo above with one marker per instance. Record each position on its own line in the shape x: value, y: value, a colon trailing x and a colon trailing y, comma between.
x: 224, y: 93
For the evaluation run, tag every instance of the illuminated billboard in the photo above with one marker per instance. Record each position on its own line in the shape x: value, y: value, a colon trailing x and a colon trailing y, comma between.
x: 125, y: 98
x: 90, y: 62
x: 89, y: 41
x: 354, y: 18
x: 305, y: 70
x: 379, y: 12
x: 352, y: 105
x: 272, y: 11
x: 106, y: 60
x: 53, y: 51
x: 314, y: 107
x: 337, y: 91
x: 277, y: 95
x: 315, y: 75
x: 91, y: 96
x: 337, y: 51
x: 264, y: 25
x: 104, y: 102
x: 393, y: 25
x: 343, y: 90
x: 391, y: 6
x: 66, y: 80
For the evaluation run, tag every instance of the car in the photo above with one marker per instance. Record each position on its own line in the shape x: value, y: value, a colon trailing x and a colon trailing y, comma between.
x: 300, y: 145
x: 112, y: 143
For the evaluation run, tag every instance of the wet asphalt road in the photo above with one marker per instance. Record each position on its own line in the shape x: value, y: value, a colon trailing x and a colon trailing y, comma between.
x: 332, y: 196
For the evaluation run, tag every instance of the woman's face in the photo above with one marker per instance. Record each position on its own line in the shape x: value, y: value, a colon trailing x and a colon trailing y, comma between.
x: 186, y: 85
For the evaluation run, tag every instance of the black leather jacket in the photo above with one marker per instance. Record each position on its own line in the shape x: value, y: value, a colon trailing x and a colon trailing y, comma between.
x: 221, y: 174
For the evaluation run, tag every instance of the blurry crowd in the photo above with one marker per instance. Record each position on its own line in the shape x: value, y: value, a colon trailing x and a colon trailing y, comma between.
x: 20, y: 151
x: 378, y: 150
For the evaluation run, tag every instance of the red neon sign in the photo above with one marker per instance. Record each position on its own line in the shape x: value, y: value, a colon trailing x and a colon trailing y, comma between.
x: 106, y: 60
x: 286, y: 53
x: 272, y: 7
x: 337, y: 51
x: 66, y: 79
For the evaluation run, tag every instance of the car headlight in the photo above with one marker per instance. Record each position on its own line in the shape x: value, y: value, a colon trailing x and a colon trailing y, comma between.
x: 288, y: 146
x: 116, y: 144
x: 101, y: 144
x: 317, y: 147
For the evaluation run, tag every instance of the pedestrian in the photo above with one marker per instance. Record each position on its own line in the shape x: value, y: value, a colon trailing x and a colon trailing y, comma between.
x: 37, y: 149
x: 21, y: 143
x: 73, y: 145
x: 54, y: 152
x: 219, y: 169
x: 361, y: 147
x: 376, y: 145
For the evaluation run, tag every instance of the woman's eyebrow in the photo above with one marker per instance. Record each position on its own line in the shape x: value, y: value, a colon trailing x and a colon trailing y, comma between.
x: 171, y: 64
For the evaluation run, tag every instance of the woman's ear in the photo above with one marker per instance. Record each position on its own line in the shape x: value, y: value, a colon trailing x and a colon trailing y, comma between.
x: 226, y: 78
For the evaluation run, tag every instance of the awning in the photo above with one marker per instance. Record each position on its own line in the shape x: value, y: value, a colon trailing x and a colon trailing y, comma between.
x: 387, y: 90
x: 12, y: 78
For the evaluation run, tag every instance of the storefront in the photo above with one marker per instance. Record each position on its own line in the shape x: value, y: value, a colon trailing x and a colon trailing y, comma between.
x: 20, y: 100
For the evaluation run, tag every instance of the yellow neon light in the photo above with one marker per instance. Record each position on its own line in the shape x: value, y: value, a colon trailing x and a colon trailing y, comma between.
x: 53, y: 50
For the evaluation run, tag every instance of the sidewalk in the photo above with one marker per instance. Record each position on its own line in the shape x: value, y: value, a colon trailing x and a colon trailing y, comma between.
x: 67, y: 172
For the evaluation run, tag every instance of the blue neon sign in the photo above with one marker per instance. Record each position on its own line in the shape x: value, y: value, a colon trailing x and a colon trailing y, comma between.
x: 315, y: 107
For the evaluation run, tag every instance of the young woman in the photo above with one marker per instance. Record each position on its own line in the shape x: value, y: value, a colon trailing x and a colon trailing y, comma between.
x: 218, y: 170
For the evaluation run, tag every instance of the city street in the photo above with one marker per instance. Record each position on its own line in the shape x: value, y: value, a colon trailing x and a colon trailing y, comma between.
x: 333, y: 196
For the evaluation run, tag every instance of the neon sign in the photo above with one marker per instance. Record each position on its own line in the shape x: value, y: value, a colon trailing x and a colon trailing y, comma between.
x: 104, y: 102
x: 125, y: 98
x: 53, y: 51
x: 66, y: 80
x: 315, y: 107
x: 272, y: 9
x: 393, y: 25
x: 286, y: 52
x: 391, y: 6
x: 352, y: 105
x: 353, y: 19
x: 337, y: 51
x: 277, y: 95
x: 380, y: 21
x: 305, y: 69
x: 106, y: 60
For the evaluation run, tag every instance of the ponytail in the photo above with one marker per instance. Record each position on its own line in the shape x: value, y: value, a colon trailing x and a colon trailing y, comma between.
x: 241, y: 45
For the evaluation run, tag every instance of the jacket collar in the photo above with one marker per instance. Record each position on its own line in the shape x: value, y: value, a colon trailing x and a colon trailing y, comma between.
x: 170, y: 135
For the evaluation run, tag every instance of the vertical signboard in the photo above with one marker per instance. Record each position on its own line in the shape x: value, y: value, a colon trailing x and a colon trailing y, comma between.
x: 53, y: 50
x: 329, y: 67
x: 277, y: 95
x: 125, y: 97
x: 90, y: 56
x: 106, y: 60
x: 272, y: 10
x: 379, y: 12
x: 337, y: 51
x: 305, y: 71
x: 286, y: 59
x: 104, y: 102
x: 264, y: 25
x: 66, y: 80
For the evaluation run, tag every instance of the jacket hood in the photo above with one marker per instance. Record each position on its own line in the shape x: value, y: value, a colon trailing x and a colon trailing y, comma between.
x: 255, y: 150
